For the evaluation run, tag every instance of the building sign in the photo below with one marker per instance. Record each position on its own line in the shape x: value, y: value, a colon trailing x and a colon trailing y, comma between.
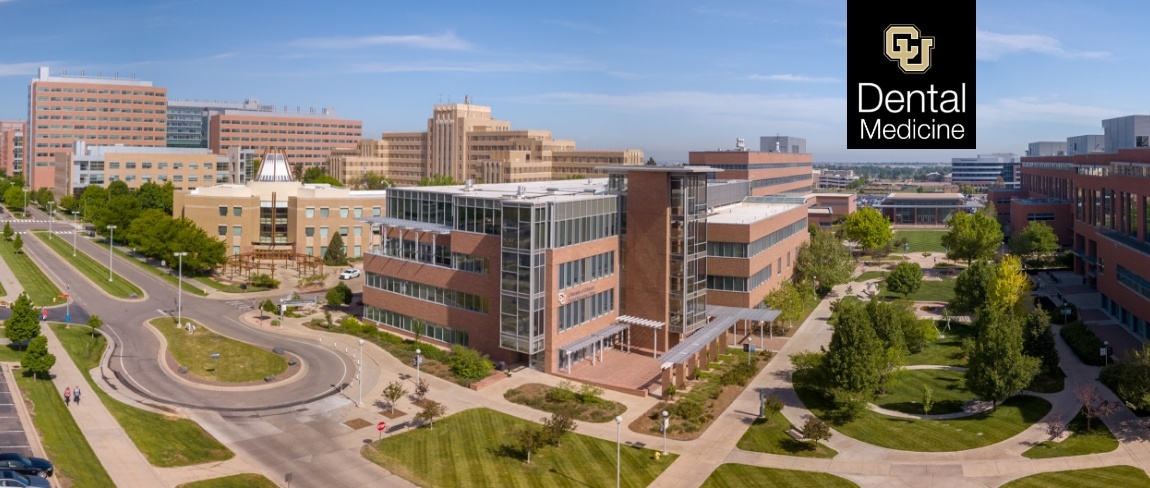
x: 910, y: 75
x: 574, y: 295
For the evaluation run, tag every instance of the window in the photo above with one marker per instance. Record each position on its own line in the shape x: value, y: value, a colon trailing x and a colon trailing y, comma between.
x: 237, y: 230
x: 237, y: 211
x: 323, y: 233
x: 376, y: 211
x: 309, y: 212
x: 223, y: 211
x: 309, y: 231
x: 357, y: 253
x: 309, y: 250
x: 343, y: 231
x: 323, y: 213
x: 236, y: 250
x: 343, y: 212
x: 223, y: 230
x: 358, y: 231
x: 358, y: 212
x: 162, y: 166
x: 113, y: 165
x: 130, y: 165
x: 145, y: 165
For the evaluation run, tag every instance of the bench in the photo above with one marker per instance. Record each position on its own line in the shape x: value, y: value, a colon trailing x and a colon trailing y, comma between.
x: 796, y: 434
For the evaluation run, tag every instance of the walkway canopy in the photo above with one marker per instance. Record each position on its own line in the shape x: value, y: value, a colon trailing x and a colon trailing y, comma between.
x: 594, y: 340
x: 722, y: 319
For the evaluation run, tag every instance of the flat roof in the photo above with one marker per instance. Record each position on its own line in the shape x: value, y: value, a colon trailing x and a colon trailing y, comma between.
x: 659, y: 168
x: 928, y: 196
x: 747, y: 212
x: 549, y: 191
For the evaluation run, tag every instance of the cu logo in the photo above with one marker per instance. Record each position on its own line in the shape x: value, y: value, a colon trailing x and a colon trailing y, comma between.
x: 562, y: 298
x: 904, y: 43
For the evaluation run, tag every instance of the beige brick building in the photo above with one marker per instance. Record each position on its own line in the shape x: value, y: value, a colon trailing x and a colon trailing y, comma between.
x: 12, y: 146
x: 185, y: 168
x: 306, y: 138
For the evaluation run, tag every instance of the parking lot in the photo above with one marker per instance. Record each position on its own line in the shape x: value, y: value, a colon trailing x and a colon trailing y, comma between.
x: 12, y: 435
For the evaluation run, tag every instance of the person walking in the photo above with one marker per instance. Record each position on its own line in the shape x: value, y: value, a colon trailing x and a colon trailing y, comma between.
x: 76, y: 395
x: 67, y: 396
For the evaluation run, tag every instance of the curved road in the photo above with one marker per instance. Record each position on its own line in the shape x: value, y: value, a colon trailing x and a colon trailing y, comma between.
x: 134, y: 359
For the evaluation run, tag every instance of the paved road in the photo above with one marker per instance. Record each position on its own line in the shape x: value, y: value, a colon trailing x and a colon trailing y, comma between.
x: 137, y: 348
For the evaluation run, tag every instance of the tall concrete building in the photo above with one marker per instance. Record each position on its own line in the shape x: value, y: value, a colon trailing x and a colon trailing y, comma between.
x: 986, y: 171
x: 1046, y: 148
x: 64, y: 109
x: 12, y: 146
x: 188, y: 119
x: 1084, y: 144
x: 306, y: 137
x: 185, y: 168
x: 464, y: 142
x: 768, y: 172
x: 783, y: 144
x: 1129, y: 132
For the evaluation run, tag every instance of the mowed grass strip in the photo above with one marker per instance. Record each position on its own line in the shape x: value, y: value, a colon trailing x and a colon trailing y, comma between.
x: 66, y: 446
x: 246, y: 480
x: 770, y: 435
x: 1012, y: 417
x: 930, y: 291
x: 475, y: 448
x: 870, y: 275
x: 228, y: 288
x: 1108, y: 477
x: 188, y: 287
x: 96, y: 272
x: 166, y: 442
x: 39, y: 288
x: 921, y: 240
x: 947, y: 391
x: 1097, y: 440
x: 741, y: 476
x: 948, y: 350
x: 238, y: 363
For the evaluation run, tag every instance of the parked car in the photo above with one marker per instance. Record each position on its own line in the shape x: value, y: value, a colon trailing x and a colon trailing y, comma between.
x: 349, y: 273
x: 12, y: 478
x: 26, y: 465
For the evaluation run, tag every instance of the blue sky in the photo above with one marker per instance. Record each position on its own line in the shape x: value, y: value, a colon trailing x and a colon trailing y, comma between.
x: 666, y: 77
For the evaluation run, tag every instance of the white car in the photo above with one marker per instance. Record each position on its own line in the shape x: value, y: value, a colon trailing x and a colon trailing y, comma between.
x: 349, y: 273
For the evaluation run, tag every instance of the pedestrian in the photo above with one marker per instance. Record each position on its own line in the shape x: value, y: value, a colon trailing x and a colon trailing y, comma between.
x: 76, y: 395
x: 67, y: 396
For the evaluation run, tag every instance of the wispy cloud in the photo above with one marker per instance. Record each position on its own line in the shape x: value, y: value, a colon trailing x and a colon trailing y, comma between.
x: 579, y: 26
x: 223, y: 55
x: 7, y: 1
x: 726, y: 13
x: 22, y: 69
x: 993, y: 45
x: 446, y: 41
x: 469, y: 67
x: 1043, y: 109
x: 795, y: 78
x: 823, y: 109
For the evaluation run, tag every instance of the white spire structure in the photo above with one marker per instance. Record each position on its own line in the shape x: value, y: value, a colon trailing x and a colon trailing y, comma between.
x: 274, y: 167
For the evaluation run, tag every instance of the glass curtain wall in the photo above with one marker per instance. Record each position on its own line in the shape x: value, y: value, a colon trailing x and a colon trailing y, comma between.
x: 688, y: 242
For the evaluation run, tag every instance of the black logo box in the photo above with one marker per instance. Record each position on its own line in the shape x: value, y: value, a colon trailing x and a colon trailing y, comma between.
x: 952, y: 64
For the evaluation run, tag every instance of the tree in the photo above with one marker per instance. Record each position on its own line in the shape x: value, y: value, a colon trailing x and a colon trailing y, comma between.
x: 869, y: 228
x: 887, y: 320
x: 927, y: 399
x: 152, y: 196
x: 906, y: 278
x: 18, y: 244
x: 997, y: 368
x: 373, y: 181
x: 971, y: 287
x: 967, y: 189
x: 393, y: 393
x: 1093, y: 405
x: 1038, y: 340
x: 339, y: 295
x: 824, y: 257
x: 14, y: 198
x: 417, y: 328
x: 787, y: 300
x: 468, y: 364
x: 437, y: 180
x: 37, y: 360
x: 1130, y: 378
x: 815, y: 429
x: 24, y: 323
x: 8, y: 232
x: 69, y: 202
x: 1036, y: 239
x: 854, y: 359
x: 651, y: 162
x: 432, y: 411
x: 94, y: 323
x: 119, y: 211
x: 336, y: 254
x: 92, y: 200
x: 312, y: 174
x: 556, y: 426
x: 421, y: 389
x: 972, y: 236
x: 1055, y: 425
x: 118, y: 188
x: 530, y: 438
x: 268, y: 306
x: 1009, y: 285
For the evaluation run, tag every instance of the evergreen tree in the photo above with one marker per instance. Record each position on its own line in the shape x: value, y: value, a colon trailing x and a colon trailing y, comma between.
x: 18, y: 244
x: 854, y: 359
x: 1038, y: 340
x: 887, y: 323
x: 997, y: 368
x: 8, y: 232
x: 336, y: 254
x: 23, y: 324
x: 37, y: 360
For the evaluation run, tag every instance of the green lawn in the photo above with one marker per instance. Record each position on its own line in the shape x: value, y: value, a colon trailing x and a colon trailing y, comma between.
x: 1097, y: 440
x: 1011, y: 418
x: 739, y: 476
x: 474, y: 448
x: 921, y: 240
x: 930, y: 291
x: 65, y: 444
x: 770, y: 436
x: 238, y: 363
x: 905, y: 394
x: 1108, y: 477
x: 166, y: 442
x: 536, y: 396
x: 948, y: 350
x: 226, y: 288
x: 96, y: 272
x: 188, y: 287
x: 870, y: 275
x: 39, y: 288
x: 246, y: 480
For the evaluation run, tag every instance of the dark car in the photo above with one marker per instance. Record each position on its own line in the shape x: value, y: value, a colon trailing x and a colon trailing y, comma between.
x: 26, y: 465
x: 12, y: 478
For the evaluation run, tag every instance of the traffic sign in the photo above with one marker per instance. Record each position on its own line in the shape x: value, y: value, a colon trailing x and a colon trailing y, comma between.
x: 380, y: 426
x: 68, y: 318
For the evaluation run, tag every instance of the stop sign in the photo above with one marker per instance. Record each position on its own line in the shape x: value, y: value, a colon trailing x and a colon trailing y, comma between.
x: 380, y: 426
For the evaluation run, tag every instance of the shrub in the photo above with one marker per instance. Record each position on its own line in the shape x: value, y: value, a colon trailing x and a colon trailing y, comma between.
x: 739, y: 374
x: 339, y: 295
x: 1083, y: 342
x: 689, y: 409
x: 590, y: 394
x: 807, y: 361
x: 264, y: 280
x: 773, y: 404
x: 564, y: 392
x: 468, y: 364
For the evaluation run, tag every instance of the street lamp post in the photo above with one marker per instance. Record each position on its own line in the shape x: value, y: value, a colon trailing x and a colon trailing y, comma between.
x: 666, y: 424
x: 75, y: 232
x: 618, y: 448
x: 418, y: 361
x: 51, y: 207
x: 1106, y: 353
x: 25, y: 203
x: 180, y: 287
x: 111, y: 244
x: 359, y: 362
